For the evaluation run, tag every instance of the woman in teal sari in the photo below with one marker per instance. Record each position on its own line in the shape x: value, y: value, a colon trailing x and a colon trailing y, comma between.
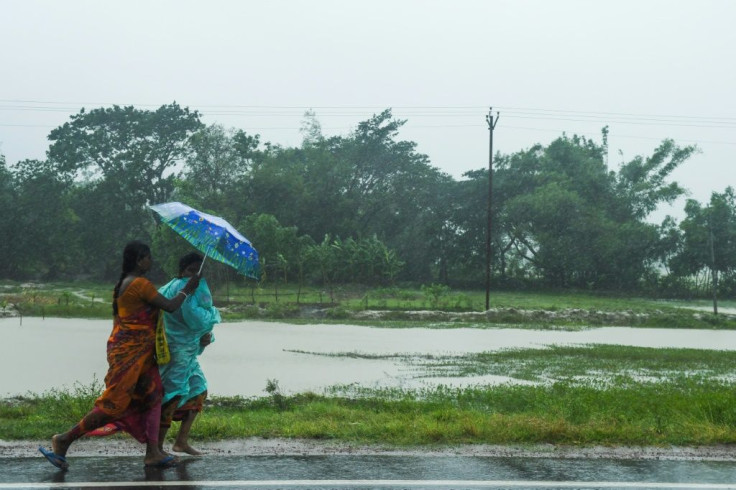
x: 188, y: 332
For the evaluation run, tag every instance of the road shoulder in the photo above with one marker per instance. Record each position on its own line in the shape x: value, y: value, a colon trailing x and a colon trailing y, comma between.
x: 123, y: 446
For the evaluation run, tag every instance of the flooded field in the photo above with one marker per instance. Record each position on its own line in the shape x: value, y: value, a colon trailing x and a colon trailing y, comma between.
x: 43, y: 354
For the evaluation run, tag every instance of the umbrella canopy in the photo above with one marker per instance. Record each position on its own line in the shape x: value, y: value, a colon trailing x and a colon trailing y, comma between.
x: 212, y: 236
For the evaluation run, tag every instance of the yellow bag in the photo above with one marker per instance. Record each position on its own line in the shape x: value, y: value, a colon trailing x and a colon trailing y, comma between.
x: 163, y: 356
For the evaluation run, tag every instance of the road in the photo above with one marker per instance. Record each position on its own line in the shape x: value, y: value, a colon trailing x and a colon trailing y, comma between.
x: 369, y: 472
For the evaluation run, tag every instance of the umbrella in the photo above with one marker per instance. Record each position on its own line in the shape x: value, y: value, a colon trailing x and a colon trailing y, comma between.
x: 212, y: 235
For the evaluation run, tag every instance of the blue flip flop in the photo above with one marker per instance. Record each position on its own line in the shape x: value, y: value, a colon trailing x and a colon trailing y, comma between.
x: 54, y: 459
x: 167, y: 462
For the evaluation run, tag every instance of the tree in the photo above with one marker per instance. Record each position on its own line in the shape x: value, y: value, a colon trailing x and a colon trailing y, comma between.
x: 579, y: 224
x: 138, y: 150
x: 311, y: 129
x: 370, y: 183
x: 218, y: 169
x: 461, y: 238
x: 380, y: 169
x: 642, y: 185
x: 45, y: 239
x: 9, y: 228
x: 120, y: 159
x: 323, y: 258
x: 279, y: 247
x: 364, y: 184
x: 708, y: 239
x: 275, y: 186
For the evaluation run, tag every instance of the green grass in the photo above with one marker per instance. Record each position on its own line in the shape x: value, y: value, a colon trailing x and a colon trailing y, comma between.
x: 34, y: 415
x: 451, y: 309
x: 66, y: 300
x: 584, y: 395
x: 693, y: 413
x: 602, y: 364
x: 593, y: 364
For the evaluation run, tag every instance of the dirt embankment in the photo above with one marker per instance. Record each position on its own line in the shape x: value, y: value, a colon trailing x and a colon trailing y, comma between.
x: 533, y: 316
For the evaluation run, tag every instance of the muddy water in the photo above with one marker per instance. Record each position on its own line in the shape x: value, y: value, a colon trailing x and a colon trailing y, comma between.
x: 41, y: 355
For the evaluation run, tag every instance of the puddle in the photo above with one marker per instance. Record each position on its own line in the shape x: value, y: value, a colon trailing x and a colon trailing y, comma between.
x: 40, y: 355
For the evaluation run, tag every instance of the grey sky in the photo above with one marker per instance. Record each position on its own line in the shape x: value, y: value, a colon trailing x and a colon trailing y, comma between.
x: 650, y: 69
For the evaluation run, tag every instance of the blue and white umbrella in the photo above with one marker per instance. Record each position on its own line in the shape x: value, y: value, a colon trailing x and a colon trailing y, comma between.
x: 211, y: 235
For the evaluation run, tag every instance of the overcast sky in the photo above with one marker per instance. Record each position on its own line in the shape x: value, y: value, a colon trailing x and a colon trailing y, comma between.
x: 649, y: 69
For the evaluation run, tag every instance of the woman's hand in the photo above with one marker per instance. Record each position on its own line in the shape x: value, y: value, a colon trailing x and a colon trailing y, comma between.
x: 173, y: 304
x: 205, y: 340
x: 192, y: 284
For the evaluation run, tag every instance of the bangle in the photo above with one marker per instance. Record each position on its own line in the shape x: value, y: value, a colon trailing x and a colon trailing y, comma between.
x: 185, y: 294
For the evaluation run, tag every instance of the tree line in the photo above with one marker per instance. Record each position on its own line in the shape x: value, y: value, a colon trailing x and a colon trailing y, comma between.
x: 364, y: 208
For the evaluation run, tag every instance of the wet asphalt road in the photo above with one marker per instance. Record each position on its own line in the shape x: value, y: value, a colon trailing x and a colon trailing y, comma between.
x: 367, y: 472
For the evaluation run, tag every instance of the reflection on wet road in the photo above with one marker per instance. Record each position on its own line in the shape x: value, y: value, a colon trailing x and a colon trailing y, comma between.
x: 370, y: 472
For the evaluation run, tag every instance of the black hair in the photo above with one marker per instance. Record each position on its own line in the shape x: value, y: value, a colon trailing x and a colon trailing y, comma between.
x: 133, y: 252
x: 189, y: 259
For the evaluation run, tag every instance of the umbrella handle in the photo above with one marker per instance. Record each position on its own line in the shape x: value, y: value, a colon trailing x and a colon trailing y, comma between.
x: 199, y: 273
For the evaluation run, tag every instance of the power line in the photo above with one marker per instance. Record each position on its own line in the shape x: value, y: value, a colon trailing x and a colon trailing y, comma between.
x: 416, y: 115
x: 612, y: 135
x: 669, y: 116
x: 442, y: 127
x: 356, y: 110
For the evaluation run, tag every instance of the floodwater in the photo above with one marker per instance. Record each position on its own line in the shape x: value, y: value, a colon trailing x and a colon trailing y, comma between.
x: 38, y: 354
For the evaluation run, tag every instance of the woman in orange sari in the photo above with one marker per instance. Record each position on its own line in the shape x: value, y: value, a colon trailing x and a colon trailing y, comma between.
x: 133, y: 389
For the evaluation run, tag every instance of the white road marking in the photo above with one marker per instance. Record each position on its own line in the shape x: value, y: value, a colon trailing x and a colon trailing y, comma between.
x: 377, y: 483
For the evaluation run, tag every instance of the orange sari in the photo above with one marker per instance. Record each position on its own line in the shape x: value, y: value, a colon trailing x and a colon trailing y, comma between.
x: 133, y: 389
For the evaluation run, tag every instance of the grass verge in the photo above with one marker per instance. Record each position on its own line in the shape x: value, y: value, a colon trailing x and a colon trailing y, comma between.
x: 389, y: 307
x: 587, y: 395
x: 654, y: 414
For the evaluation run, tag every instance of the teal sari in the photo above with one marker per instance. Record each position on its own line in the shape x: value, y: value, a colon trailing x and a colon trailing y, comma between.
x: 182, y: 376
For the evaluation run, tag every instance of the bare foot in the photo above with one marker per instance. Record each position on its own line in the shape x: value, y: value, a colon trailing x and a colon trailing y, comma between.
x: 59, y: 445
x: 186, y: 448
x: 163, y: 451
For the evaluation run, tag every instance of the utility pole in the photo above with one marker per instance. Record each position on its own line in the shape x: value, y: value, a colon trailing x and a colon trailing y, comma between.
x: 491, y: 125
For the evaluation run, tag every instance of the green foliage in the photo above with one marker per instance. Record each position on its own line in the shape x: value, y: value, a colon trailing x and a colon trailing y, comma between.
x: 218, y: 167
x: 281, y: 310
x: 683, y: 413
x: 277, y: 398
x: 8, y: 228
x: 707, y: 241
x: 338, y: 313
x: 363, y: 208
x: 280, y: 248
x: 294, y: 303
x: 642, y: 182
x: 434, y: 293
x: 607, y: 365
x: 44, y: 220
x: 391, y: 297
x: 70, y: 405
x: 134, y: 148
x: 114, y: 161
x: 575, y: 223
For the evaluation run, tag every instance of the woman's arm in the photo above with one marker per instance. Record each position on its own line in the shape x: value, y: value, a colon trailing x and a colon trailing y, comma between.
x: 173, y: 304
